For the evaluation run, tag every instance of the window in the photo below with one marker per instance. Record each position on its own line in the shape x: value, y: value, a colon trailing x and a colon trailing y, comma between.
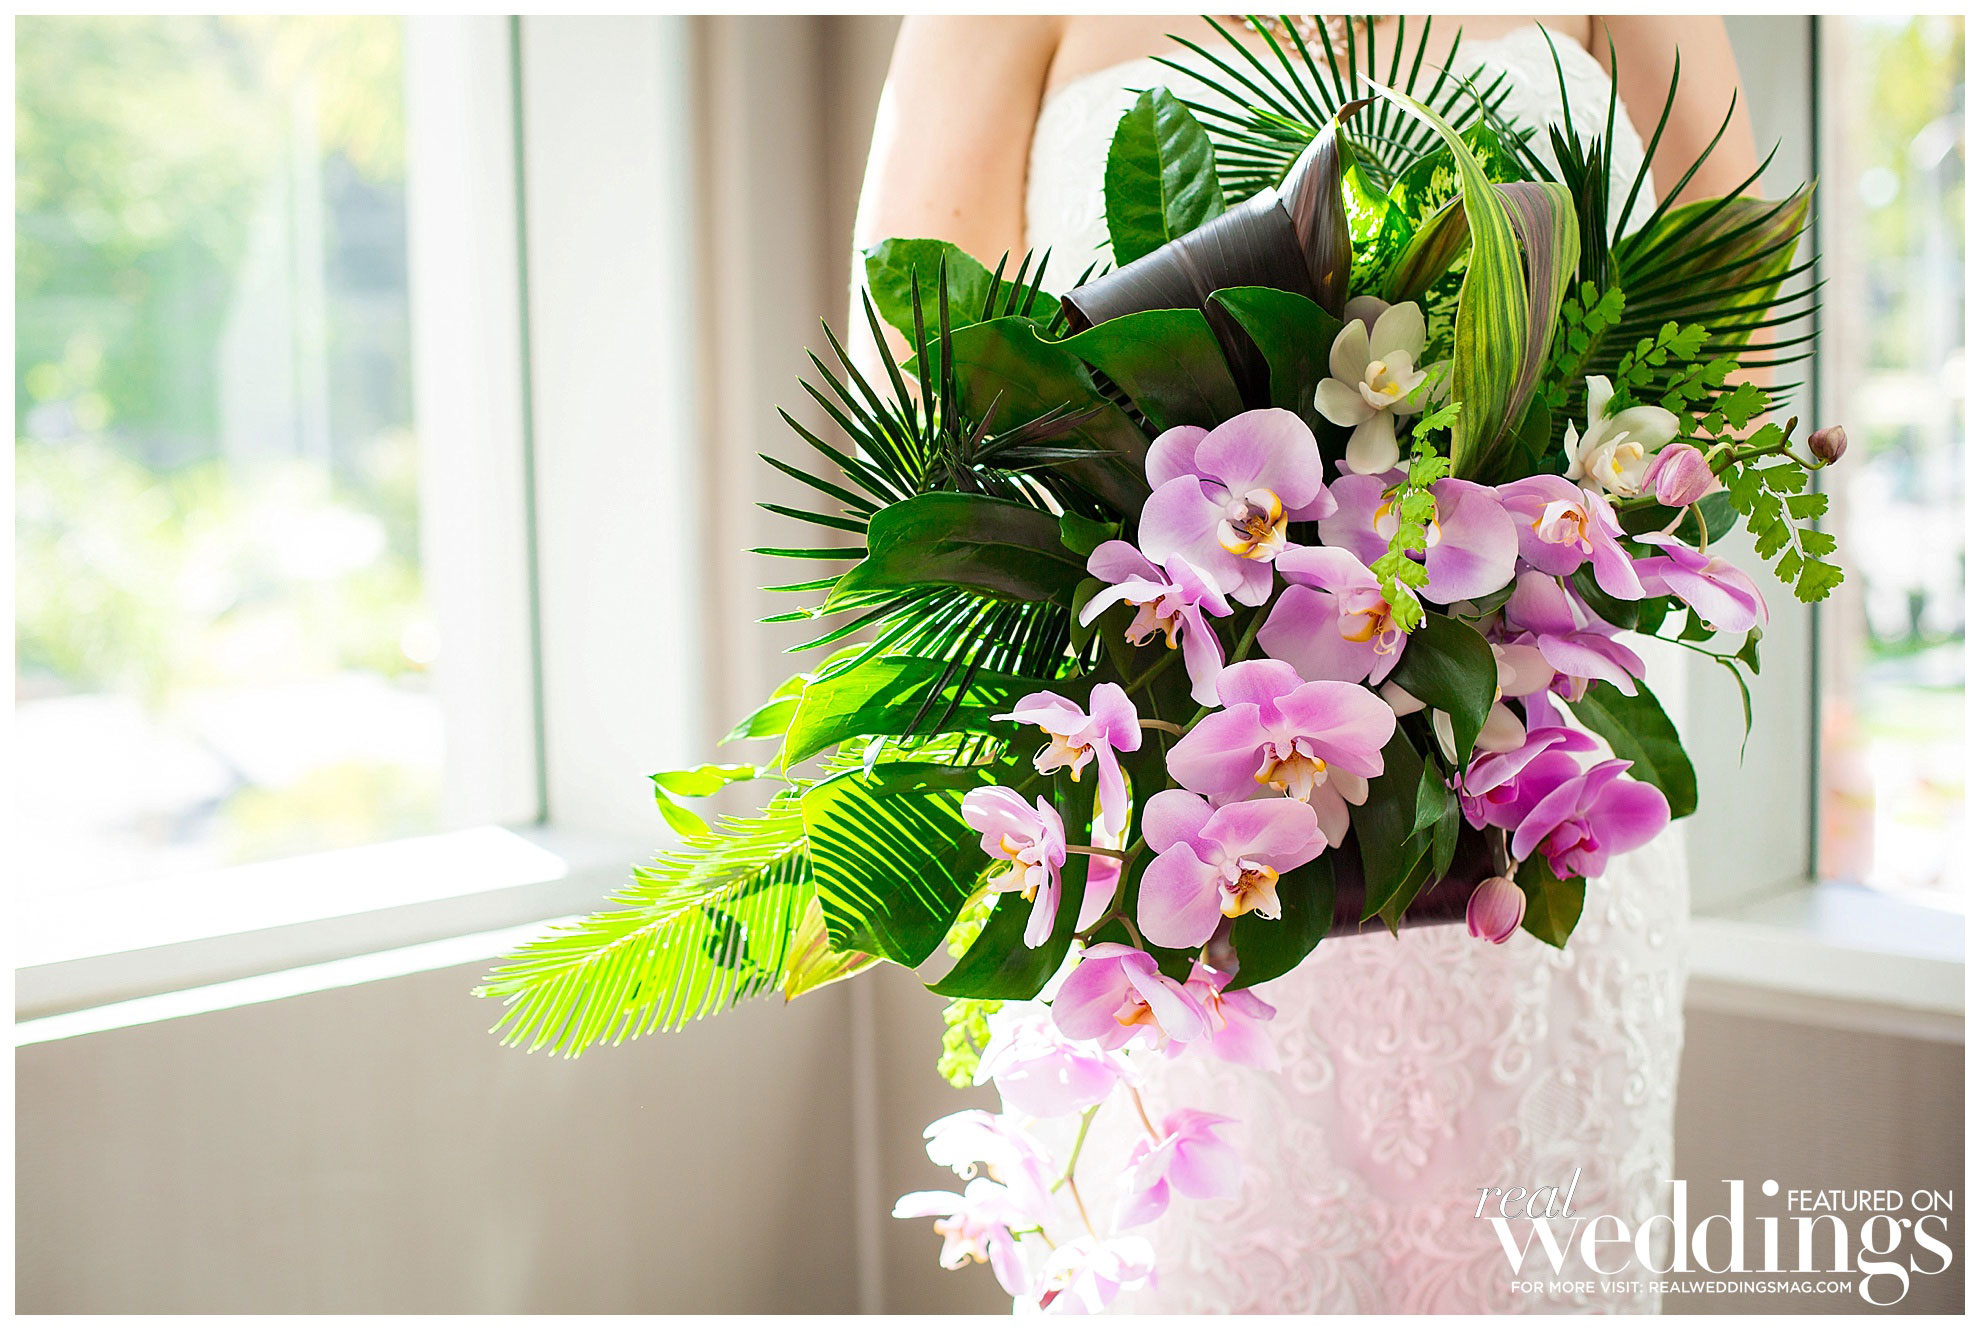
x: 1890, y: 104
x: 223, y: 639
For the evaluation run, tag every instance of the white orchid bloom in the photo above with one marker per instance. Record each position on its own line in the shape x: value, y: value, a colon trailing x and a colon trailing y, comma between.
x: 1617, y: 450
x: 1374, y: 373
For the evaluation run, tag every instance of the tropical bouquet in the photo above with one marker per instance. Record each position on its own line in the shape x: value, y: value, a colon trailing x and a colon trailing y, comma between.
x: 1274, y: 583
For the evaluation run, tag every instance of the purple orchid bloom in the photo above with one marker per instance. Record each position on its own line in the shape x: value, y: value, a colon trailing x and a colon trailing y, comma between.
x: 1540, y: 613
x: 1586, y: 818
x: 1562, y: 526
x: 1472, y: 543
x: 1222, y: 497
x: 975, y: 1226
x: 1035, y: 843
x: 1332, y: 622
x: 962, y: 1140
x: 1172, y: 601
x: 1496, y: 790
x: 1039, y: 1070
x: 1189, y: 1158
x: 1115, y: 994
x: 1075, y: 737
x: 1317, y: 742
x: 1237, y: 1020
x: 1725, y: 598
x: 1213, y: 863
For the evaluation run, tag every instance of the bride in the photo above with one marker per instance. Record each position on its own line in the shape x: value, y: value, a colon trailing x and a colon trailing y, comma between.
x: 1420, y: 1072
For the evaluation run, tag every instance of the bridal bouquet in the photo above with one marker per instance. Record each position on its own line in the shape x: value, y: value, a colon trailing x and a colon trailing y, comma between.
x: 1237, y: 598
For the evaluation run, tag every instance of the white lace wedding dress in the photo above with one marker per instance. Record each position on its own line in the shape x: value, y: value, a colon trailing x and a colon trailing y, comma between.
x: 1416, y: 1069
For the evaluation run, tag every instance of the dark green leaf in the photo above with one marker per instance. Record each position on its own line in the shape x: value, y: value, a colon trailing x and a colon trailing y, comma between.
x: 1083, y: 535
x: 1292, y: 334
x: 1268, y: 948
x: 900, y: 695
x: 1168, y: 363
x: 1446, y: 664
x: 1384, y: 826
x: 1622, y: 613
x: 1161, y: 177
x: 1008, y: 551
x: 1553, y: 907
x: 1637, y: 729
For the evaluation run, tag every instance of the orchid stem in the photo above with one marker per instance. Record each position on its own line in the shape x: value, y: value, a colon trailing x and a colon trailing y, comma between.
x: 1149, y: 675
x: 1079, y: 1143
x: 1142, y: 1109
x: 1101, y: 850
x: 1166, y: 725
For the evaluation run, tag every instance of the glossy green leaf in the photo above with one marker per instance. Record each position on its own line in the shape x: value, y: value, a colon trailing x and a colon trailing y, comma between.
x: 892, y: 859
x: 1168, y: 363
x: 1268, y: 948
x: 1161, y: 176
x: 1293, y: 335
x: 1447, y: 665
x: 1083, y: 535
x: 1008, y: 376
x: 1553, y: 907
x: 702, y: 781
x: 1637, y: 729
x: 993, y: 547
x: 892, y: 266
x: 1624, y: 614
x: 810, y: 963
x: 1384, y: 826
x: 900, y: 695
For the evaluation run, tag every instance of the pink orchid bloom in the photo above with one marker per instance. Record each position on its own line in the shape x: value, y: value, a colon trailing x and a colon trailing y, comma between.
x: 1172, y: 601
x: 1471, y: 545
x: 1116, y: 994
x: 975, y: 1226
x: 1540, y: 613
x: 1222, y: 497
x: 1213, y: 863
x: 1189, y: 1158
x: 1237, y: 1020
x: 1084, y: 1275
x: 1034, y: 841
x: 1317, y: 742
x: 1038, y: 1069
x: 1075, y: 737
x: 1494, y: 793
x: 1586, y: 818
x: 1562, y: 526
x: 1008, y: 1152
x: 1725, y: 598
x: 1495, y: 909
x: 1332, y: 622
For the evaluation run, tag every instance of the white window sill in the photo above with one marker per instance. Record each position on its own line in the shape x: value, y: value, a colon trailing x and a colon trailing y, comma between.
x: 1836, y: 955
x: 142, y: 941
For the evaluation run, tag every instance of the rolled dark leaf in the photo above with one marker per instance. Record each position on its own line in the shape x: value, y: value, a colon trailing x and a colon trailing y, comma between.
x: 1294, y: 238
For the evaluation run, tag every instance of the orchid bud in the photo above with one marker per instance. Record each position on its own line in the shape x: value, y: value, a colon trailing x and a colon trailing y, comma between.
x: 1496, y: 907
x: 1828, y: 444
x: 1681, y: 476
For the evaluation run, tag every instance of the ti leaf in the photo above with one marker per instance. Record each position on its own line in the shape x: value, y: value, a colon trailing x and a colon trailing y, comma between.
x: 1161, y: 177
x: 1168, y: 363
x: 1292, y: 336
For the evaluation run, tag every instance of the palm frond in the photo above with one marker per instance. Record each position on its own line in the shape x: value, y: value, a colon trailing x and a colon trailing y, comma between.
x: 705, y: 927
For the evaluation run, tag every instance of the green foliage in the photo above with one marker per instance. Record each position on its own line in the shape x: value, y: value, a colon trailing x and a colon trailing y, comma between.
x: 695, y: 783
x: 1553, y: 906
x: 899, y: 695
x: 1772, y: 495
x: 1268, y: 948
x: 892, y: 859
x: 705, y: 927
x: 809, y: 961
x: 993, y: 547
x: 1168, y: 363
x: 1415, y: 507
x: 1293, y: 335
x: 965, y: 1034
x: 897, y: 269
x: 1395, y: 849
x: 1449, y: 666
x: 1637, y: 730
x: 1161, y: 176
